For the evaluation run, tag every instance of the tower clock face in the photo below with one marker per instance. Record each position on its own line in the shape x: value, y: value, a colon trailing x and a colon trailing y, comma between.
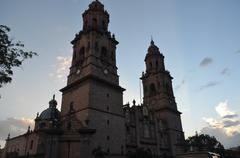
x: 78, y: 71
x: 105, y: 71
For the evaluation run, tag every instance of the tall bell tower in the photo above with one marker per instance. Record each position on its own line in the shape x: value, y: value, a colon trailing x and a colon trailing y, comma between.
x: 94, y: 48
x: 92, y: 101
x: 159, y: 97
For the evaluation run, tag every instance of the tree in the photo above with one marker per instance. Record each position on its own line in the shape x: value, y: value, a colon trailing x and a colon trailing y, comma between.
x: 233, y: 152
x: 206, y: 142
x: 12, y: 55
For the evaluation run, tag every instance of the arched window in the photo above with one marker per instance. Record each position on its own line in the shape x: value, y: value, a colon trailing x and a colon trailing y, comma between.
x: 150, y: 65
x: 112, y: 56
x: 69, y: 125
x: 152, y: 89
x: 156, y: 64
x: 146, y: 132
x: 96, y: 46
x: 94, y: 21
x: 88, y: 46
x: 71, y: 107
x: 160, y: 125
x: 81, y: 55
x: 168, y: 88
x: 104, y: 25
x: 31, y: 145
x: 103, y: 55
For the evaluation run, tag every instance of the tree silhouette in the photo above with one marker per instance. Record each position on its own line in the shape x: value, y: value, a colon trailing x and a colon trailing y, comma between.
x: 206, y: 142
x: 11, y: 55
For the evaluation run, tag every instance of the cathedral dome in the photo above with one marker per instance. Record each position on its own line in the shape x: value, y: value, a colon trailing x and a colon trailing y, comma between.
x: 51, y: 112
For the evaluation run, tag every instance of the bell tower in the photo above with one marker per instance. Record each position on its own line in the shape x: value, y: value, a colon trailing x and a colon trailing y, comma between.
x: 157, y: 82
x: 94, y: 48
x: 159, y: 97
x: 92, y: 101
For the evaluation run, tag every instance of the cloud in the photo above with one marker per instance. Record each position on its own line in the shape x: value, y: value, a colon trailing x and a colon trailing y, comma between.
x: 206, y: 62
x: 209, y: 84
x: 231, y: 116
x: 213, y: 123
x: 223, y: 110
x: 225, y: 71
x: 61, y: 68
x: 230, y: 123
x: 14, y: 126
x: 238, y: 52
x: 226, y: 128
x: 221, y: 136
x: 180, y: 85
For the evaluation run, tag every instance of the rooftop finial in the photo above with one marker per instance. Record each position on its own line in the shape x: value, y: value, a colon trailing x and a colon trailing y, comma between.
x: 152, y: 42
x: 28, y: 129
x: 53, y: 102
x: 134, y: 102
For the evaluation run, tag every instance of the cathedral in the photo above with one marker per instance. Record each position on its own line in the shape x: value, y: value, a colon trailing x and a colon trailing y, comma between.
x: 92, y: 120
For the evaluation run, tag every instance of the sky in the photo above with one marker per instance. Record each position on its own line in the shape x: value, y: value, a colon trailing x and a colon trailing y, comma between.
x: 199, y: 39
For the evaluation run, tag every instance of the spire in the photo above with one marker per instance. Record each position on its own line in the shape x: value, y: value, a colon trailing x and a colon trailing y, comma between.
x: 53, y: 102
x: 96, y: 3
x: 95, y: 17
x: 153, y: 49
x: 152, y: 42
x: 154, y: 59
x: 28, y: 129
x: 37, y: 115
x: 134, y: 102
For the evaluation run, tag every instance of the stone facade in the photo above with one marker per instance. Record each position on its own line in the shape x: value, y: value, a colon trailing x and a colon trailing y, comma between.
x: 155, y: 125
x: 93, y: 120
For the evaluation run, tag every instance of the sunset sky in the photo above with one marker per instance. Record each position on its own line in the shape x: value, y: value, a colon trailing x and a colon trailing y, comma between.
x: 199, y: 39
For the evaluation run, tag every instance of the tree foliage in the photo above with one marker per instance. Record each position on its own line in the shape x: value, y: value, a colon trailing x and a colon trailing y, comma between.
x: 232, y: 152
x: 12, y: 55
x: 206, y: 142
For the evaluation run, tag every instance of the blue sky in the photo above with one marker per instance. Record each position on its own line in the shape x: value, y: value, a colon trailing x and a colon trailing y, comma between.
x: 199, y: 39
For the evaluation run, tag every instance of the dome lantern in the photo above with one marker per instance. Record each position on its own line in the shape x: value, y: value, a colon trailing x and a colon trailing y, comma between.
x: 53, y: 102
